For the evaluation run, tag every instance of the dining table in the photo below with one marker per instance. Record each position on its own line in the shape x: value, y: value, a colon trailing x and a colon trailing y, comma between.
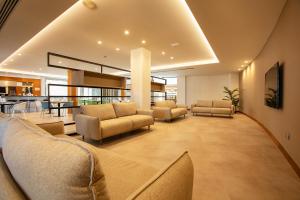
x: 6, y: 103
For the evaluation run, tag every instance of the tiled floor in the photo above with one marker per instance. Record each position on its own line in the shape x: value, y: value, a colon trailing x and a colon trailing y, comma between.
x: 233, y: 158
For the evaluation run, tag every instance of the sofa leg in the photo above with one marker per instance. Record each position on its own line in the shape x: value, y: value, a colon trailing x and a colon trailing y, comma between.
x: 184, y: 116
x: 149, y: 128
x: 83, y: 138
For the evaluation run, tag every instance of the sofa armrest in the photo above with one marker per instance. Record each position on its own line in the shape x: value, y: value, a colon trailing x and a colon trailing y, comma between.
x: 193, y: 105
x: 145, y: 112
x: 174, y: 182
x: 182, y: 106
x: 54, y: 128
x: 162, y: 112
x: 88, y: 126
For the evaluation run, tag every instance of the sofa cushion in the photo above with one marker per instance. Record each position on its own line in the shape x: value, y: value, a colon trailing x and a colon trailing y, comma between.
x: 222, y: 104
x: 48, y: 167
x: 204, y: 103
x: 139, y: 121
x: 102, y: 111
x: 123, y: 176
x: 166, y: 103
x: 115, y: 126
x: 222, y: 111
x: 125, y: 108
x: 8, y: 187
x: 201, y: 110
x: 176, y: 112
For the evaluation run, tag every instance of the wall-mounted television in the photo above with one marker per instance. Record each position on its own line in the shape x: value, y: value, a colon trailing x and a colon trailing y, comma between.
x: 273, y: 86
x: 2, y: 90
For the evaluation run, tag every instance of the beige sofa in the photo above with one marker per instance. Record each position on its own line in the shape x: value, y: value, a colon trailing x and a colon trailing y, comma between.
x: 168, y: 110
x: 37, y: 165
x: 101, y: 121
x: 215, y: 107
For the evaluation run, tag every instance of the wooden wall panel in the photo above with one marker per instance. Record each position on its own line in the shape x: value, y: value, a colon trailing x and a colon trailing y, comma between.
x: 36, y: 84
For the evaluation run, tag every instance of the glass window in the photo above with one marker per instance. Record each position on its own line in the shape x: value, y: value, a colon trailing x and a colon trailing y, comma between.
x: 57, y: 90
x: 171, y: 80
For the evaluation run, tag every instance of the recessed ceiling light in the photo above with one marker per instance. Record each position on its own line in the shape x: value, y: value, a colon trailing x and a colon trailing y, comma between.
x: 240, y: 69
x: 143, y: 41
x: 126, y: 32
x: 175, y: 44
x: 40, y: 69
x: 117, y: 49
x: 246, y: 61
x: 19, y: 54
x: 172, y: 58
x: 11, y: 60
x: 99, y: 42
x: 242, y: 65
x: 59, y: 62
x: 163, y: 53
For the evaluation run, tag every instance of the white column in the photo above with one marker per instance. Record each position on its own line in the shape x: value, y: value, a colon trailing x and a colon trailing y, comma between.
x: 140, y: 62
x: 181, y: 93
x: 43, y: 86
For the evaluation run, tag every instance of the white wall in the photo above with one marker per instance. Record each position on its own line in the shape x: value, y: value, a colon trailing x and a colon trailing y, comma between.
x: 193, y: 88
x: 283, y: 46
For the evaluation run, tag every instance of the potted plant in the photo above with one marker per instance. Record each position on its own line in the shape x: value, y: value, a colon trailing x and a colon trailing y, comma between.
x: 233, y: 96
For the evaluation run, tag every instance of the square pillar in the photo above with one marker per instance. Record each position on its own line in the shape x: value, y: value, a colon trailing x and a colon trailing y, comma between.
x: 181, y: 90
x: 140, y: 63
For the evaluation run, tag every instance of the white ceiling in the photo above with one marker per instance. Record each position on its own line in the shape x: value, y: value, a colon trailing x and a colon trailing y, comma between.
x: 235, y: 29
x: 26, y: 20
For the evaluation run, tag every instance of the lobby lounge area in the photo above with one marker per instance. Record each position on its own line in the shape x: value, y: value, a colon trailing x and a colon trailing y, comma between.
x: 147, y: 100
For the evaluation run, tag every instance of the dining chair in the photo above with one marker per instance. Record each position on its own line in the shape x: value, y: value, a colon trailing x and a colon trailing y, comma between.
x: 44, y: 108
x: 19, y: 108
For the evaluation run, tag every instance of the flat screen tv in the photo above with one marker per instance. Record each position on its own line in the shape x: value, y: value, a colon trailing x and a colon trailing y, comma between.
x: 273, y: 86
x: 2, y: 90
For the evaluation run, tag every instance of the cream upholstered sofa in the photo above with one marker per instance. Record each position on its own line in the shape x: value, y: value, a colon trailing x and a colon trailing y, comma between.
x: 215, y: 107
x: 101, y: 121
x: 168, y: 110
x: 36, y: 165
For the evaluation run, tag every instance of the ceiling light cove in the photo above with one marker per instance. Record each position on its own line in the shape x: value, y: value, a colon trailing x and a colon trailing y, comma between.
x: 192, y: 47
x: 182, y: 65
x: 32, y: 73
